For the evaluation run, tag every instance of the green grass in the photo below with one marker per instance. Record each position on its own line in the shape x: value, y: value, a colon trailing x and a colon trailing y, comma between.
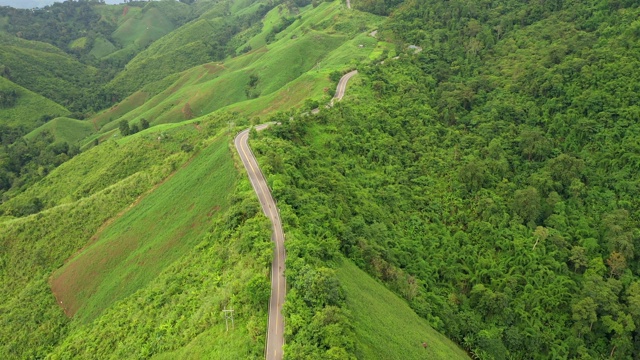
x: 45, y: 70
x: 97, y: 168
x: 65, y: 130
x: 154, y: 233
x: 380, y: 48
x: 29, y: 109
x: 293, y: 68
x: 101, y: 48
x: 178, y: 314
x: 115, y: 112
x: 33, y: 247
x: 81, y: 196
x: 386, y: 327
x: 215, y: 343
x: 143, y: 29
x: 79, y: 43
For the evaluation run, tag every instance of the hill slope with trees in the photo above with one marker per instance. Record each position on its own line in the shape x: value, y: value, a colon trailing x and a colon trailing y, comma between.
x: 483, y: 167
x: 104, y: 252
x: 489, y: 179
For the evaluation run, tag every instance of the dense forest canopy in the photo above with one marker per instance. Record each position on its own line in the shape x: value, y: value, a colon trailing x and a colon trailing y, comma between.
x: 490, y: 179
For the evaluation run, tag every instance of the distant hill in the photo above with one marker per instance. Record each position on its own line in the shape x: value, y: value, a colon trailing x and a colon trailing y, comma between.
x: 64, y: 129
x: 29, y: 4
x: 25, y: 108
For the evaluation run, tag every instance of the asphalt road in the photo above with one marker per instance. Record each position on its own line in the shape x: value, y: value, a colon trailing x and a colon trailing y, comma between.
x: 342, y: 86
x: 275, y: 330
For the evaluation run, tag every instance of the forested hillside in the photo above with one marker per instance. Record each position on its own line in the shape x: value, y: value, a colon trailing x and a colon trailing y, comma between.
x: 482, y: 166
x: 125, y: 232
x: 490, y: 179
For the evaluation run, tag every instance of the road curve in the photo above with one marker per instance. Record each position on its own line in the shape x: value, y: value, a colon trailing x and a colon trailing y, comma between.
x: 275, y: 329
x: 342, y: 86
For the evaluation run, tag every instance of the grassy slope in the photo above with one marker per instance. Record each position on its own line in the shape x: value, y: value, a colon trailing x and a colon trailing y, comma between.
x: 137, y: 27
x: 65, y: 129
x: 100, y: 167
x: 386, y: 327
x: 136, y: 247
x: 177, y: 51
x: 119, y: 277
x: 143, y: 29
x: 101, y: 48
x: 178, y: 314
x: 29, y: 108
x: 82, y: 196
x: 33, y: 247
x: 44, y: 69
x: 293, y: 68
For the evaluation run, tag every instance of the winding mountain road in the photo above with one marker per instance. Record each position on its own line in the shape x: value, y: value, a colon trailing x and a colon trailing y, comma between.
x: 342, y: 86
x: 275, y: 330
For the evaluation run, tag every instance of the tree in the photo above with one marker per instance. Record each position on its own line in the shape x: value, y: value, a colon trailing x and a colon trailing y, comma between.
x: 473, y: 174
x: 578, y: 258
x: 144, y: 123
x: 526, y: 203
x: 617, y: 264
x: 534, y: 144
x: 124, y: 128
x: 584, y: 315
x: 566, y: 168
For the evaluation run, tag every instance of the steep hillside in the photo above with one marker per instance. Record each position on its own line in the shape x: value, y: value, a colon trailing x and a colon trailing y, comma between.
x: 46, y: 70
x: 385, y: 326
x: 126, y: 194
x: 296, y: 65
x: 23, y: 108
x: 158, y: 230
x: 137, y: 27
x: 480, y: 178
x: 200, y: 41
x: 487, y: 175
x: 64, y: 129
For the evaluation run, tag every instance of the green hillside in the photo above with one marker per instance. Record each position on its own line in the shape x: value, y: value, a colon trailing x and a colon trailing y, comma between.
x: 45, y: 70
x: 147, y: 238
x: 22, y: 107
x: 64, y: 129
x: 295, y: 66
x: 473, y: 196
x: 198, y: 42
x: 385, y: 326
x: 123, y: 192
x: 142, y: 27
x: 487, y: 175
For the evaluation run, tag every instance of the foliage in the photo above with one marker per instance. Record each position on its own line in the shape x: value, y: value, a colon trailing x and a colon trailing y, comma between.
x: 489, y: 179
x: 65, y: 129
x: 385, y: 326
x: 26, y: 161
x: 25, y: 109
x: 179, y: 312
x: 91, y: 196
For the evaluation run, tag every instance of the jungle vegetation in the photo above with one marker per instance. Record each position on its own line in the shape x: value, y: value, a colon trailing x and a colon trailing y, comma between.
x: 489, y: 179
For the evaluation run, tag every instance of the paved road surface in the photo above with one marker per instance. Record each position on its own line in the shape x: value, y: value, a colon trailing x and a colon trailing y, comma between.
x: 275, y: 330
x: 342, y: 86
